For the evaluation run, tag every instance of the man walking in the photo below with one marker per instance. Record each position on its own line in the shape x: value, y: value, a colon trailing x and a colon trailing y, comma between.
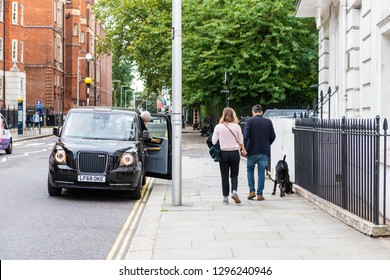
x: 36, y: 119
x: 259, y: 134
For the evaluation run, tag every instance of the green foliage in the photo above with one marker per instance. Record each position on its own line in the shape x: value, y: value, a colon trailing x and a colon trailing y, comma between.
x: 269, y: 54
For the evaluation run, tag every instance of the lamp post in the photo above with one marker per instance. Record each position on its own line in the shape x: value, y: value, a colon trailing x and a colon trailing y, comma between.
x: 113, y: 89
x: 126, y: 91
x: 134, y: 97
x: 146, y: 105
x: 176, y: 102
x: 121, y: 92
x: 227, y: 91
x: 88, y: 57
x: 88, y: 82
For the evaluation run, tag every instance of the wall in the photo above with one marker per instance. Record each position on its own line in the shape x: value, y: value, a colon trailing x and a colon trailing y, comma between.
x: 283, y: 145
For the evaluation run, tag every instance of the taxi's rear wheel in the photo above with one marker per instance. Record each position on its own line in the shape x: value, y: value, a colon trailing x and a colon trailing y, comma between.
x: 53, y: 191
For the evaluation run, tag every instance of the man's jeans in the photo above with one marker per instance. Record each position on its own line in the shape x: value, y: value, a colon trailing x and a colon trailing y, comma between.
x: 261, y: 161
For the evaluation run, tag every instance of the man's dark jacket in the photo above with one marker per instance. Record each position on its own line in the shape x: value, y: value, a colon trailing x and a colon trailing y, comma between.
x: 259, y: 134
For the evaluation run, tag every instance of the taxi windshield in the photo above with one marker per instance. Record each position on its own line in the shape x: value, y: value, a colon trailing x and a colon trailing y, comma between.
x: 99, y: 125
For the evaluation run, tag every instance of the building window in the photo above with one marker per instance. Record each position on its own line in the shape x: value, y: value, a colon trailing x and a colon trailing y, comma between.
x: 68, y: 1
x: 1, y: 48
x: 14, y: 50
x: 59, y: 50
x: 21, y: 14
x: 1, y: 10
x: 14, y: 13
x: 75, y: 30
x: 58, y: 13
x: 21, y: 52
x: 82, y: 37
x: 1, y: 87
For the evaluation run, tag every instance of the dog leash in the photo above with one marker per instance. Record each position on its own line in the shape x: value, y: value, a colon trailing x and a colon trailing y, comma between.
x: 269, y: 176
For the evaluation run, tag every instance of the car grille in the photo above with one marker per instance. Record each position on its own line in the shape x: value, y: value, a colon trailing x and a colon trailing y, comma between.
x: 92, y: 162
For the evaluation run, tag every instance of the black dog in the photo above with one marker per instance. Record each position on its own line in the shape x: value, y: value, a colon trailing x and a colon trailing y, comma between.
x: 282, y: 178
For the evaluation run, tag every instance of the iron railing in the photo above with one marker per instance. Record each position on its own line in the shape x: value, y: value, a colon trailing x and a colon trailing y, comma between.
x: 324, y: 100
x: 340, y: 161
x: 11, y: 115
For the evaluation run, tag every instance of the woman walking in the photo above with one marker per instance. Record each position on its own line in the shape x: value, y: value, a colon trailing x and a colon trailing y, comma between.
x: 230, y: 138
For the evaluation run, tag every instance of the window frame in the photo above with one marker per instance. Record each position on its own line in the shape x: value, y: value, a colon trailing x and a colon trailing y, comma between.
x: 1, y: 48
x: 14, y: 51
x: 1, y: 10
x: 21, y: 52
x: 21, y: 14
x: 14, y: 15
x: 1, y: 88
x: 75, y: 30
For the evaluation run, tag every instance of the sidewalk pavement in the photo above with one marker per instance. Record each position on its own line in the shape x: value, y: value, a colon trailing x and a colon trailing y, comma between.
x: 203, y: 228
x: 31, y: 133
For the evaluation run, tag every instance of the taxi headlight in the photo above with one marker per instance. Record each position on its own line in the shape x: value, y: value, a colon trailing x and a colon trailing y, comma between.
x: 60, y: 156
x: 127, y: 159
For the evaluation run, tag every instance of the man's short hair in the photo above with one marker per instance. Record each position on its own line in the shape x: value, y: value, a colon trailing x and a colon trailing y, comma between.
x: 257, y: 108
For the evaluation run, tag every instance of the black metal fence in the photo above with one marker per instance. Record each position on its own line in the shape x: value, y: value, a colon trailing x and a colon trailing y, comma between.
x: 344, y: 162
x: 11, y: 115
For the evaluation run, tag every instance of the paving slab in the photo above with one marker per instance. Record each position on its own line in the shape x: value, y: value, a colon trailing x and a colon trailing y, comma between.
x: 202, y: 228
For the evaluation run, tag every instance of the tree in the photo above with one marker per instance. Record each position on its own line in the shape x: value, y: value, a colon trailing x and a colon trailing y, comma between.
x: 268, y: 53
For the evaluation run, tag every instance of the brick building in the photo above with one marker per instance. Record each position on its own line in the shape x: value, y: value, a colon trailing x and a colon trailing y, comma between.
x: 80, y: 40
x: 44, y: 53
x: 12, y: 76
x: 44, y: 57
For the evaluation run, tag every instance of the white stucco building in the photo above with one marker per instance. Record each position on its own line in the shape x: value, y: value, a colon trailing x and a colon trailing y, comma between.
x: 354, y: 61
x: 354, y: 55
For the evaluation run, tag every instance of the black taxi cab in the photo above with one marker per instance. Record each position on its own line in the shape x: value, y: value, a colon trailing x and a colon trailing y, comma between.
x: 106, y: 148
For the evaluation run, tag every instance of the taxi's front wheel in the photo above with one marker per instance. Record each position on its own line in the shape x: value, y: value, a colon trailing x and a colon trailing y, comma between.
x: 136, y: 194
x: 52, y: 190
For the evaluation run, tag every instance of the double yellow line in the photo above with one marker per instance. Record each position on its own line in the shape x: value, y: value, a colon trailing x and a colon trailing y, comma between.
x: 122, y: 242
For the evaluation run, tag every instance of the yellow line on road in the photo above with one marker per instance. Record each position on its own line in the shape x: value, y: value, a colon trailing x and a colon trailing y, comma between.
x: 134, y: 223
x: 130, y: 223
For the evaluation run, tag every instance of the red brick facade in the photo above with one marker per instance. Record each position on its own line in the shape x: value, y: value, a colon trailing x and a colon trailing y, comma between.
x: 12, y: 37
x: 50, y: 47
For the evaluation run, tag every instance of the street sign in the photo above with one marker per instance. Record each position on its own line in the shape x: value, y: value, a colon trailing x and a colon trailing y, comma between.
x: 38, y: 106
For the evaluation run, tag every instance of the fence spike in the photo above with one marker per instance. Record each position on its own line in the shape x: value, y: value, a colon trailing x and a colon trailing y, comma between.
x: 377, y: 123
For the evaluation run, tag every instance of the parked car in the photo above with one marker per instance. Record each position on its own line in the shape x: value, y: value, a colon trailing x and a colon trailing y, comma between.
x: 286, y: 113
x: 5, y: 136
x: 105, y: 148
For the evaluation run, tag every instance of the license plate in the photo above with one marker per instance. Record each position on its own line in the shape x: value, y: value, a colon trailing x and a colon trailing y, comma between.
x: 91, y: 178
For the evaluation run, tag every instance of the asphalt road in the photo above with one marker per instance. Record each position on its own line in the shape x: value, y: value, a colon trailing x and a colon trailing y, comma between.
x: 79, y: 225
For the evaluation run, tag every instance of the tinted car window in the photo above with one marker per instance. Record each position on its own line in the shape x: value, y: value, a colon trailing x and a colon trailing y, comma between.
x: 157, y: 127
x: 99, y: 125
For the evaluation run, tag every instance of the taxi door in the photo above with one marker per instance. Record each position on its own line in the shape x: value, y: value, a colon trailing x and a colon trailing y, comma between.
x: 158, y: 159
